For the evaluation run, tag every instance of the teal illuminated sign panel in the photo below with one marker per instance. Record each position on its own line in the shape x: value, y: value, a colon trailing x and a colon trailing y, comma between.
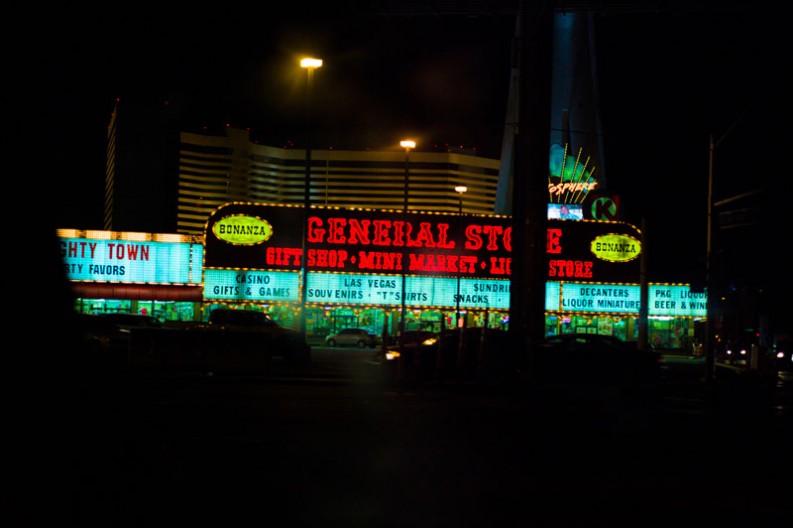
x: 129, y: 261
x: 552, y: 296
x: 577, y: 297
x: 237, y: 285
x: 663, y: 300
x: 337, y: 288
x: 676, y: 300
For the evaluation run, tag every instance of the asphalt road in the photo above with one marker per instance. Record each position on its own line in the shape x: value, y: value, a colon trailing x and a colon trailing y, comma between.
x: 335, y: 447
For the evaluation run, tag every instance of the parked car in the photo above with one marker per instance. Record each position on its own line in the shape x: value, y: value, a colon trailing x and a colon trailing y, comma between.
x: 95, y: 335
x: 358, y: 337
x: 255, y: 331
x: 593, y: 360
x: 106, y: 337
x: 129, y: 320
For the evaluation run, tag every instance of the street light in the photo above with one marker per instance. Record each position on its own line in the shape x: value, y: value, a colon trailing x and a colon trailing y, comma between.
x: 709, y: 345
x: 461, y: 189
x: 406, y: 144
x: 310, y: 64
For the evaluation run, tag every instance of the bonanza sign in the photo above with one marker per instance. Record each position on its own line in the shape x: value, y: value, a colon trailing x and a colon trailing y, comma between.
x: 615, y: 248
x: 242, y: 229
x: 593, y: 251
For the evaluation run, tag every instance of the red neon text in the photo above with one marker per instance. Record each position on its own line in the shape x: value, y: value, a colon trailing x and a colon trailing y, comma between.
x: 570, y: 268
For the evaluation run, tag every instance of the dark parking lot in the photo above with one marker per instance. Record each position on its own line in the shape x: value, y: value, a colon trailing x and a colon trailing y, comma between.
x: 335, y: 448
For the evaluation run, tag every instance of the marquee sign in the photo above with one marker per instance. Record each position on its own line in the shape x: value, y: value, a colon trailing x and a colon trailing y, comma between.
x: 373, y: 243
x: 349, y: 289
x: 363, y: 241
x: 613, y: 298
x: 672, y: 300
x: 122, y: 260
x: 239, y: 285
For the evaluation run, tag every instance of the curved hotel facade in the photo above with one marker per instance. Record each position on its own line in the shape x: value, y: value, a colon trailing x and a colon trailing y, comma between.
x: 214, y: 170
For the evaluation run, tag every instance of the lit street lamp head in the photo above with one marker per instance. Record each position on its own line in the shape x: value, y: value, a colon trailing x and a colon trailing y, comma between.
x: 407, y: 144
x: 461, y: 189
x: 310, y: 63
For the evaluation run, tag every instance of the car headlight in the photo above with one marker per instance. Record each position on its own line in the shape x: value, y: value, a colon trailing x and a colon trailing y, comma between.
x: 391, y: 355
x: 429, y: 341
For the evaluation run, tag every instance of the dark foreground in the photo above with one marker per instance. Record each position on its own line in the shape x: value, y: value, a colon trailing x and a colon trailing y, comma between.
x: 344, y: 450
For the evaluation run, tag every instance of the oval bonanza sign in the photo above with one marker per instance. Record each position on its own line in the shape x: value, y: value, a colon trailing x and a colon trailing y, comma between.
x: 243, y: 229
x: 616, y: 248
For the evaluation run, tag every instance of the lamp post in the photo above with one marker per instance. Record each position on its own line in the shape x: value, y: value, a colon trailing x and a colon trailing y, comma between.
x: 406, y: 144
x: 461, y: 189
x: 309, y: 64
x: 460, y: 339
x: 709, y: 345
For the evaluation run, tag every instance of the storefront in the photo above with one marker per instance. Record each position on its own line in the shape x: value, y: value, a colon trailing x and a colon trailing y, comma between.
x: 359, y: 262
x: 674, y: 312
x: 153, y: 274
x: 593, y: 286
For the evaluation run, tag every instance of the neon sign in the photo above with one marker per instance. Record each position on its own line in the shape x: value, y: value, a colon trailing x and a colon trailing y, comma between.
x: 676, y: 299
x: 355, y: 289
x: 243, y: 229
x: 570, y: 178
x: 131, y: 261
x: 239, y: 285
x: 365, y: 241
x: 601, y: 298
x: 663, y: 299
x: 588, y: 250
x: 615, y: 248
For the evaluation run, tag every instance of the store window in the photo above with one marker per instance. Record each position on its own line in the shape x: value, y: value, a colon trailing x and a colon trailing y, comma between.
x: 671, y: 333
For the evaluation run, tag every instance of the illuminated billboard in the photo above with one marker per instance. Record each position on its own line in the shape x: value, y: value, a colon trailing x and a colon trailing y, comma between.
x: 350, y: 289
x: 130, y: 260
x: 349, y: 246
x: 570, y: 178
x: 672, y: 300
x: 239, y: 285
x: 593, y: 251
x: 359, y: 241
x: 558, y: 211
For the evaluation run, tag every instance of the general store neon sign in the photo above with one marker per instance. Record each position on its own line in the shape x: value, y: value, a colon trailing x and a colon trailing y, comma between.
x: 400, y: 233
x: 368, y: 241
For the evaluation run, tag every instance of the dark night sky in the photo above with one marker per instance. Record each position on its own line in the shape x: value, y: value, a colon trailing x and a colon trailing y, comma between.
x: 668, y: 79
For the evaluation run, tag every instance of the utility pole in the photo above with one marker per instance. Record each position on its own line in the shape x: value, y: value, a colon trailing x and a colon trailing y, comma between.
x: 709, y: 345
x: 530, y: 192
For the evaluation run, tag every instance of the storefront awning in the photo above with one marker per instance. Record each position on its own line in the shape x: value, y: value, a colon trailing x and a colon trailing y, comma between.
x: 139, y: 292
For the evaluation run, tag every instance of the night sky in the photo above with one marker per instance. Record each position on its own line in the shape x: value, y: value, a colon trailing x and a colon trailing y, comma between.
x: 668, y: 79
